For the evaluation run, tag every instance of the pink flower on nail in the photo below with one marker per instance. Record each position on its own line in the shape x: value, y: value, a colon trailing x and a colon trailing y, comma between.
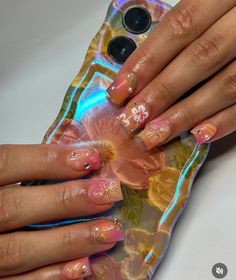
x: 140, y: 114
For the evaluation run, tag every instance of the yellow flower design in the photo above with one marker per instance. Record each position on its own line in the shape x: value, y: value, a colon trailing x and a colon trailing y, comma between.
x: 162, y: 187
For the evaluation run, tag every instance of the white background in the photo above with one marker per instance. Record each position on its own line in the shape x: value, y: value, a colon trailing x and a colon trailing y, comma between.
x: 42, y: 46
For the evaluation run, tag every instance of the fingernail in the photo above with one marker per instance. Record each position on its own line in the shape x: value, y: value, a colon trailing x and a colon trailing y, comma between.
x: 108, y: 231
x: 105, y: 192
x: 204, y: 132
x: 134, y: 116
x: 85, y: 159
x: 77, y: 269
x: 122, y: 88
x: 155, y: 133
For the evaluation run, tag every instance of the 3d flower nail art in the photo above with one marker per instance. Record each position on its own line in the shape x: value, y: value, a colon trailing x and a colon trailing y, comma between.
x: 204, y: 132
x: 134, y: 116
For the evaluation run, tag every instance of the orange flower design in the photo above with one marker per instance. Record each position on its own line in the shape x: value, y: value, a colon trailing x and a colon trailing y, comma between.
x: 132, y: 166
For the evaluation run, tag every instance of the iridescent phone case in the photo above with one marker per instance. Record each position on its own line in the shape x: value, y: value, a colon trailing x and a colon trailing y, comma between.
x: 155, y: 185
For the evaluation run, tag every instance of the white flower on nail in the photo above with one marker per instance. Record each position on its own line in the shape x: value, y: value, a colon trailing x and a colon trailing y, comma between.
x: 140, y: 114
x: 113, y: 184
x: 123, y: 118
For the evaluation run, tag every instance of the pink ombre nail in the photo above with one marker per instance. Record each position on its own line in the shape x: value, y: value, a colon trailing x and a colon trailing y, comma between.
x: 155, y: 133
x: 77, y: 269
x: 108, y: 231
x: 85, y: 159
x: 204, y: 132
x: 122, y: 88
x: 105, y: 192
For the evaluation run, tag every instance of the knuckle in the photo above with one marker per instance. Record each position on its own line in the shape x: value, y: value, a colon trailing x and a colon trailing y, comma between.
x: 8, y: 205
x: 228, y: 86
x: 143, y: 56
x: 64, y: 196
x: 160, y: 91
x: 188, y: 116
x: 206, y: 52
x: 44, y: 158
x: 70, y: 237
x: 11, y: 257
x: 49, y: 157
x: 181, y: 21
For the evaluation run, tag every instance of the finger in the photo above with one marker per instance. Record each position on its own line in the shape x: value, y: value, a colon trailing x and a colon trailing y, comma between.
x: 25, y: 251
x: 77, y: 269
x: 199, y: 61
x: 21, y: 206
x: 181, y: 26
x: 217, y: 126
x: 216, y: 95
x: 33, y: 162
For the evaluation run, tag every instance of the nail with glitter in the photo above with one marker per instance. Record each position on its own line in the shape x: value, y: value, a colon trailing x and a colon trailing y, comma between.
x: 105, y: 192
x: 122, y: 88
x: 85, y: 159
x: 77, y: 269
x: 108, y: 231
x: 155, y: 133
x: 134, y: 116
x: 204, y: 132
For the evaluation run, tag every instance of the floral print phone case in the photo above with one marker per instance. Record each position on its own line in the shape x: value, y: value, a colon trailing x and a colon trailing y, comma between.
x: 155, y: 185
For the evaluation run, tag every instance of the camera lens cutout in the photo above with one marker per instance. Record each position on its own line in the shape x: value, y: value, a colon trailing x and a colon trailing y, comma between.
x: 120, y: 48
x: 137, y: 20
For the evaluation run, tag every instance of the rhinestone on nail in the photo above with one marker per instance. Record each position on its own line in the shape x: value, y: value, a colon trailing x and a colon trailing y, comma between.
x: 130, y: 90
x: 87, y: 166
x: 84, y: 270
x: 73, y: 156
x: 117, y: 223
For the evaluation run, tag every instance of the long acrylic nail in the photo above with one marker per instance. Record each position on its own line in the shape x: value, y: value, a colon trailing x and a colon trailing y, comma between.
x: 204, y: 132
x: 84, y: 159
x: 122, y: 88
x: 108, y: 231
x: 105, y: 192
x: 155, y: 133
x: 134, y: 116
x: 77, y: 269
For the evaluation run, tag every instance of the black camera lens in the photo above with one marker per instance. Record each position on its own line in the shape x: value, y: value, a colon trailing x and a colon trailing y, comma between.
x: 120, y: 48
x: 137, y: 20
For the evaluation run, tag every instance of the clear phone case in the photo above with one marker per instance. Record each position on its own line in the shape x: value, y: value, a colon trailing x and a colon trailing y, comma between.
x: 155, y: 185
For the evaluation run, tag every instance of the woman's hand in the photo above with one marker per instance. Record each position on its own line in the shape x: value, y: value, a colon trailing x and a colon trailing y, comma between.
x: 195, y: 42
x: 59, y: 253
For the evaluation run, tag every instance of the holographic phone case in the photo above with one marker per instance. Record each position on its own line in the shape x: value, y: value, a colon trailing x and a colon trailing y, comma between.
x: 155, y: 185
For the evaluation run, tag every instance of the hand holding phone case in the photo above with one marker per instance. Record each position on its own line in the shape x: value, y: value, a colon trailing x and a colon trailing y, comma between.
x: 155, y: 185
